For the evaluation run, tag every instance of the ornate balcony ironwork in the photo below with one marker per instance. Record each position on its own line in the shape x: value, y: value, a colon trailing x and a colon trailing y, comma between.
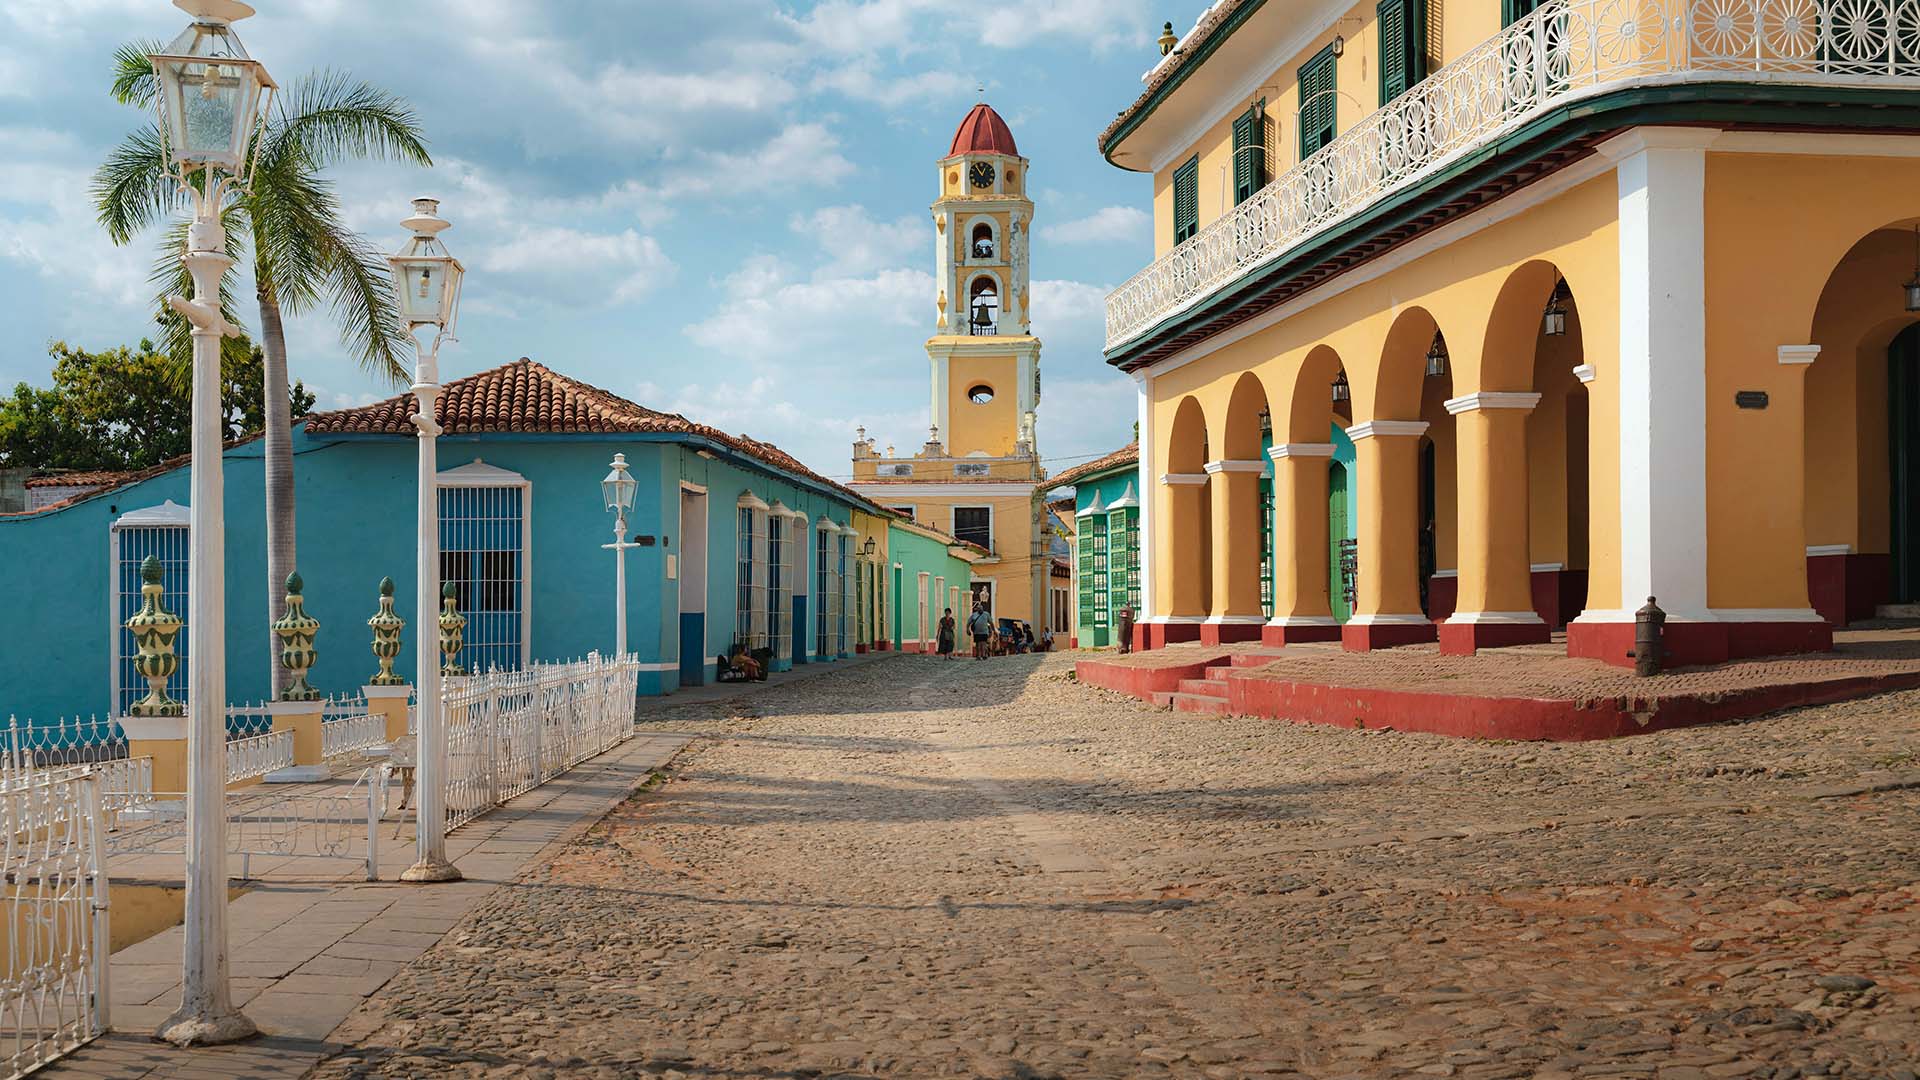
x: 1563, y: 51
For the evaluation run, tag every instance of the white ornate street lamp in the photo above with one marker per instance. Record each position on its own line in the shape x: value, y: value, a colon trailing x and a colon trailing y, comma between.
x: 426, y: 281
x: 213, y: 100
x: 617, y: 492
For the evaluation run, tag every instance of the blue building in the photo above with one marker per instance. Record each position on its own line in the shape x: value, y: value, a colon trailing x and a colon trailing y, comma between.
x: 738, y: 541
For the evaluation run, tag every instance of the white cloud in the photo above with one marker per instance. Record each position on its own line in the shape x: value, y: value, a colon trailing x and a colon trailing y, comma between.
x: 584, y: 269
x: 47, y: 223
x: 768, y: 312
x: 1107, y: 225
x: 1070, y: 313
x: 855, y: 244
x: 1102, y: 24
x: 863, y: 81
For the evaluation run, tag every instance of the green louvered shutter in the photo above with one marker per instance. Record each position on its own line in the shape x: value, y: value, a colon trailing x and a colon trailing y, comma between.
x: 1186, y: 200
x: 1249, y: 153
x: 1318, y: 102
x: 1395, y: 73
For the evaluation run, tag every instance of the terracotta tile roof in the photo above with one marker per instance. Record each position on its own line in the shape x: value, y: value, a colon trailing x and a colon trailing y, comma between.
x: 983, y: 132
x: 88, y: 478
x: 126, y: 478
x: 1176, y: 65
x: 1126, y: 455
x: 524, y: 397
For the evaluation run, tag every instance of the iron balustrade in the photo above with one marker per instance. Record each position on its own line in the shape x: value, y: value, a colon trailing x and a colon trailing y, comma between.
x: 258, y: 755
x: 1564, y: 51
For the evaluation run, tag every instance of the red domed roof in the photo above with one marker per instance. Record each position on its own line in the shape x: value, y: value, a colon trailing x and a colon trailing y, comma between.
x: 983, y: 132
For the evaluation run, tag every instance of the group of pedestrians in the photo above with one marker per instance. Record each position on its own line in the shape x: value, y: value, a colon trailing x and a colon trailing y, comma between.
x: 989, y: 639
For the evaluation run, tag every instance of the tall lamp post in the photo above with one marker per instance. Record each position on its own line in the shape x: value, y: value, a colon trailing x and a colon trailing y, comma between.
x: 426, y: 280
x: 213, y: 100
x: 617, y: 492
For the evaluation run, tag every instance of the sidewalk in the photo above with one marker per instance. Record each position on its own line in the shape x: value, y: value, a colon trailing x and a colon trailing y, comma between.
x: 304, y: 954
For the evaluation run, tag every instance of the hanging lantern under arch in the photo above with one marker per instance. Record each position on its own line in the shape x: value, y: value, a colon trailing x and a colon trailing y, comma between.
x: 1437, y: 357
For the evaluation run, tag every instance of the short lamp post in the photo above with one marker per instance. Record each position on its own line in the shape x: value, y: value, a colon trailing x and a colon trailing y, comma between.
x: 213, y: 100
x: 426, y: 282
x: 617, y: 492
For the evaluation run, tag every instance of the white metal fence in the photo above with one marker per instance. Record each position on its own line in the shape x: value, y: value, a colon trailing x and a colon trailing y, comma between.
x: 258, y: 755
x: 351, y: 734
x: 511, y: 731
x: 54, y: 994
x: 1563, y: 51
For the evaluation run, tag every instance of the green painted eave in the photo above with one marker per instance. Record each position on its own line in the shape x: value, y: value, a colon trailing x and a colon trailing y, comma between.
x: 1763, y: 106
x: 1187, y: 67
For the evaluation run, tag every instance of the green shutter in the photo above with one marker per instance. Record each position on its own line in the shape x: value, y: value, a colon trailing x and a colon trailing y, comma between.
x: 1319, y: 101
x: 1249, y: 153
x: 1395, y: 49
x: 1186, y: 200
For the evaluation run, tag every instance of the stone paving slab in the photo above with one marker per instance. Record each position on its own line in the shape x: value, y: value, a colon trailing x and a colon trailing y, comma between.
x: 305, y: 955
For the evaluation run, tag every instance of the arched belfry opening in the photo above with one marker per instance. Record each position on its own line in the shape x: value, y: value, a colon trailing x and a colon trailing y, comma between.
x: 983, y: 306
x: 981, y: 244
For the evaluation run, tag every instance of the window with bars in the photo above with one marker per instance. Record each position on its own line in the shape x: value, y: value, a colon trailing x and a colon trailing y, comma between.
x: 844, y: 597
x: 1403, y: 46
x: 779, y: 598
x: 1102, y: 587
x: 822, y: 593
x: 1124, y: 554
x: 974, y: 524
x: 162, y: 533
x: 1266, y: 546
x: 483, y: 556
x: 1186, y: 200
x: 750, y: 612
x: 1319, y: 97
x: 1249, y: 152
x: 1087, y: 584
x: 924, y: 625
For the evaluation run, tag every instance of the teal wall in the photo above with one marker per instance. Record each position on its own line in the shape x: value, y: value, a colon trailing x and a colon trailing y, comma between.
x: 355, y: 524
x: 1109, y: 486
x: 912, y: 555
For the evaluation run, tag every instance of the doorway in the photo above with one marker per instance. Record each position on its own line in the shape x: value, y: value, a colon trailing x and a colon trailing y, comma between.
x: 693, y: 587
x: 1343, y: 552
x: 1903, y: 459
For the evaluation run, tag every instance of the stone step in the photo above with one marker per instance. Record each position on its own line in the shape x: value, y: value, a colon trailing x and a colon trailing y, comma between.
x: 1219, y: 672
x: 1255, y: 659
x: 1162, y: 699
x: 1203, y: 687
x: 1199, y: 703
x: 1897, y: 611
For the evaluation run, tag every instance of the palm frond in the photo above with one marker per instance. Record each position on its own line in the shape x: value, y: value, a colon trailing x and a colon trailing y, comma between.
x: 133, y: 79
x: 294, y: 212
x: 360, y: 287
x: 132, y: 188
x: 330, y: 116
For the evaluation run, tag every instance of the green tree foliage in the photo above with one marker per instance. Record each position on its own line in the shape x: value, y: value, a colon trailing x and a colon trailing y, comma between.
x: 121, y: 408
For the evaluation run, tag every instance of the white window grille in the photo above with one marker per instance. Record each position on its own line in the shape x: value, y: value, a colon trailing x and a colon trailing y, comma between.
x: 823, y: 592
x: 485, y: 541
x: 923, y: 637
x: 779, y: 584
x: 160, y: 531
x: 843, y: 583
x: 750, y: 613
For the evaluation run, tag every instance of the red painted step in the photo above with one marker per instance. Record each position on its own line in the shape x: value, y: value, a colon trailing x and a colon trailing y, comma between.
x: 1200, y: 703
x: 1163, y: 699
x: 1203, y: 687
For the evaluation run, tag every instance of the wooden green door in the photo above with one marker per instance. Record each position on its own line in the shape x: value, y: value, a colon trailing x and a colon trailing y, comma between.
x: 1342, y: 552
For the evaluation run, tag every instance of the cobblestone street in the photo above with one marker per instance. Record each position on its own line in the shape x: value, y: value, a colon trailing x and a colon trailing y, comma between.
x: 927, y: 868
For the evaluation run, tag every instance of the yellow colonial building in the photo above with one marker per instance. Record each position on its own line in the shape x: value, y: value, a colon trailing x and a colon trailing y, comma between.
x: 978, y: 474
x: 1479, y: 321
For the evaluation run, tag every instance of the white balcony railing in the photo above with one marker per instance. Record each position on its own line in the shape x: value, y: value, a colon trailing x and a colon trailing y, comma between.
x: 1565, y: 50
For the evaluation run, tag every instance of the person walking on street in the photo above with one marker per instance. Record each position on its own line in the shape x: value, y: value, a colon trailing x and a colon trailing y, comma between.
x: 981, y: 626
x: 947, y: 632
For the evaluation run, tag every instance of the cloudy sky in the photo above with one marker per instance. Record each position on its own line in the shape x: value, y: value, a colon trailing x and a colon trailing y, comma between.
x: 716, y: 208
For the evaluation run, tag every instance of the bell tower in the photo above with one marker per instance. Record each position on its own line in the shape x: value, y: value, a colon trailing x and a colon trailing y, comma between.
x: 985, y: 360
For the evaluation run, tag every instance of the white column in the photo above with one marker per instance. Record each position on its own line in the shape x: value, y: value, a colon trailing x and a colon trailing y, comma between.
x: 430, y: 828
x: 1143, y: 383
x: 206, y: 1013
x: 1661, y: 173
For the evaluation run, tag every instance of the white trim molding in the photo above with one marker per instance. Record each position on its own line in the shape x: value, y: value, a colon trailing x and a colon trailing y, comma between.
x: 882, y: 492
x: 1767, y: 615
x: 1390, y: 620
x: 1372, y: 428
x: 1234, y: 620
x: 1300, y: 449
x: 166, y: 515
x: 1303, y: 620
x: 1545, y: 567
x: 1820, y: 550
x: 1178, y: 620
x: 1183, y: 479
x: 478, y: 473
x: 1231, y: 466
x: 1495, y: 618
x: 1798, y: 354
x: 1452, y: 573
x: 1585, y: 373
x: 1492, y: 399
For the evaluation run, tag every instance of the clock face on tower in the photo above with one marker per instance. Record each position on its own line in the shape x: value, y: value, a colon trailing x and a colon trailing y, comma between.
x: 981, y: 175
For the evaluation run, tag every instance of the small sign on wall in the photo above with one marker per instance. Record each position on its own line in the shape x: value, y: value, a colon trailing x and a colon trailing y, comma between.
x: 673, y: 566
x: 1750, y: 399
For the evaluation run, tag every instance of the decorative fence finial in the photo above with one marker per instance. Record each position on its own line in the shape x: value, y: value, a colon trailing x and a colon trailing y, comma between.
x: 297, y: 629
x: 154, y: 629
x: 452, y: 623
x: 386, y: 636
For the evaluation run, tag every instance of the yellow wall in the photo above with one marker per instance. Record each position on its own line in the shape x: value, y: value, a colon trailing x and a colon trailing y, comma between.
x: 993, y: 427
x: 1776, y: 231
x: 1013, y: 525
x: 1380, y: 331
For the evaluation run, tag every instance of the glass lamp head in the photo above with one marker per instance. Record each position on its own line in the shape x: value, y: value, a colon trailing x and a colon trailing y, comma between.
x: 213, y: 96
x: 426, y: 276
x: 617, y: 489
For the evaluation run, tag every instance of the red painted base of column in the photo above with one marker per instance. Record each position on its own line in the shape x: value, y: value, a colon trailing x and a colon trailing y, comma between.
x: 1159, y: 635
x: 1846, y: 588
x: 1464, y: 639
x: 1693, y: 643
x: 1221, y: 633
x: 1358, y: 637
x: 1278, y: 636
x: 1441, y: 595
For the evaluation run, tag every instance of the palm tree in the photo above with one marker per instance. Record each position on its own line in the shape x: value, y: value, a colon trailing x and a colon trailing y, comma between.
x: 303, y: 254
